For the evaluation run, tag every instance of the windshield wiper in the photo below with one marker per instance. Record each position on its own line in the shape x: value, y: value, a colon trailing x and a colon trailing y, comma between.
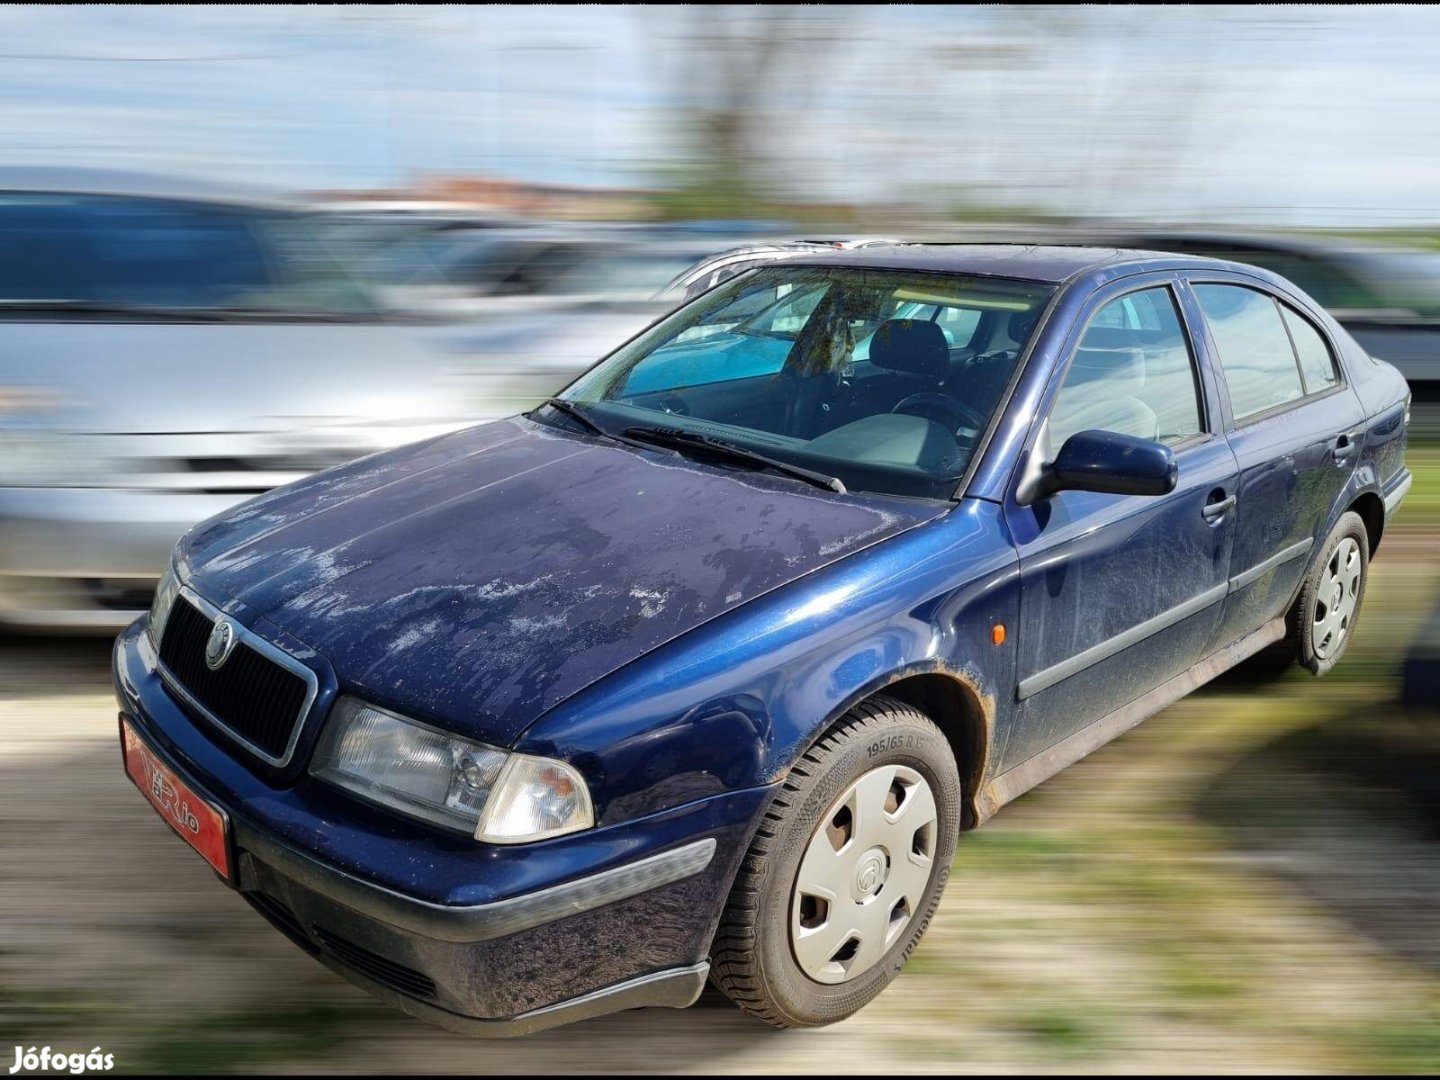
x: 574, y: 412
x: 676, y: 437
x: 560, y: 405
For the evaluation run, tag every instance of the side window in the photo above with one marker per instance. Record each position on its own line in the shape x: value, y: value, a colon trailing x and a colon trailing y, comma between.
x: 1317, y: 365
x: 959, y: 325
x: 1255, y: 351
x: 1132, y: 373
x: 789, y: 315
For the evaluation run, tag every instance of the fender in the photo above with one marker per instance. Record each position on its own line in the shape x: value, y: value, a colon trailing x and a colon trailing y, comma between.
x: 747, y: 693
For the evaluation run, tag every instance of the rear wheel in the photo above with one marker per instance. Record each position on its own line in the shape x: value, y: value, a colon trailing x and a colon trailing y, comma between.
x: 1324, y: 616
x: 845, y: 871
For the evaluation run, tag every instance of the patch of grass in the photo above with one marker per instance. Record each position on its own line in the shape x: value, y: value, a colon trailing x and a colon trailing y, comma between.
x: 1065, y: 1030
x: 1012, y: 848
x: 32, y: 1017
x: 1408, y: 1045
x: 247, y: 1039
x: 1421, y: 508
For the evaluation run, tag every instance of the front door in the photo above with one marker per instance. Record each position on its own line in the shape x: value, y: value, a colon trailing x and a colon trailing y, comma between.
x: 1120, y: 593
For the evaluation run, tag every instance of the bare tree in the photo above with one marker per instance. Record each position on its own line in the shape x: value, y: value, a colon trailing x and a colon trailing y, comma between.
x: 725, y: 70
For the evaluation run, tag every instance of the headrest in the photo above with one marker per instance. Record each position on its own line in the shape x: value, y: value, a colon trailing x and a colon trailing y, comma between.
x: 1021, y: 323
x: 911, y: 345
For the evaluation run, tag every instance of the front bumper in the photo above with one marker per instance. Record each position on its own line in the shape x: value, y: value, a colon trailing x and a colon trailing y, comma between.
x: 615, y: 918
x: 84, y: 559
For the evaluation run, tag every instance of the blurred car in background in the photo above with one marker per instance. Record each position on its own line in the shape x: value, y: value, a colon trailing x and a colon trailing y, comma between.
x: 487, y: 273
x: 165, y: 352
x: 1388, y: 298
x: 356, y: 232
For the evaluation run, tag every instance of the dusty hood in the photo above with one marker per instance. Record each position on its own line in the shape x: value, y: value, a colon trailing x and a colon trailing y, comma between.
x: 480, y: 578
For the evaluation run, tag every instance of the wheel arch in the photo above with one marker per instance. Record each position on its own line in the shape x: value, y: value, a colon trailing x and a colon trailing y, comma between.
x: 955, y: 701
x: 1371, y: 509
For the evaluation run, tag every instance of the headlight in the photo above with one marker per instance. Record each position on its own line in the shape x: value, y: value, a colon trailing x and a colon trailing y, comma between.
x: 495, y: 796
x: 165, y: 594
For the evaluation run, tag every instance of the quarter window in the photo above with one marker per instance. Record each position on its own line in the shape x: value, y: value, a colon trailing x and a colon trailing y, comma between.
x: 1255, y: 350
x: 1317, y: 365
x: 1132, y: 373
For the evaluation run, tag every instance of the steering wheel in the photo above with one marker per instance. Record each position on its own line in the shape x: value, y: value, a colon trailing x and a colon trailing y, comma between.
x: 950, y: 413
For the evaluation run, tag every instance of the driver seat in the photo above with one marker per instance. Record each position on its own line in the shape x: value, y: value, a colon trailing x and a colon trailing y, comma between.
x: 913, y: 347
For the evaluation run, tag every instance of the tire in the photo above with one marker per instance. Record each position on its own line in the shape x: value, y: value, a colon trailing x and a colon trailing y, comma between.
x: 772, y: 954
x: 1322, y: 620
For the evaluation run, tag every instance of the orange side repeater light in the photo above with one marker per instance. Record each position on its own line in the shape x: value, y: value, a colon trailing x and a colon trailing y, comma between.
x: 997, y: 634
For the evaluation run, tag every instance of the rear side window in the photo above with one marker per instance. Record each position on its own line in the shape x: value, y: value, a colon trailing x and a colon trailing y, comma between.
x: 958, y: 324
x: 1317, y: 365
x: 1255, y: 350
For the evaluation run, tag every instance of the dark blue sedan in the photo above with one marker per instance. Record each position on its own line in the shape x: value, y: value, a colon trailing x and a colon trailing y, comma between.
x: 700, y: 669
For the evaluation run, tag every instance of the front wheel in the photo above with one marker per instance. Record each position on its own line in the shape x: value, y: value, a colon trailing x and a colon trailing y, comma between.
x: 1324, y: 616
x: 844, y: 872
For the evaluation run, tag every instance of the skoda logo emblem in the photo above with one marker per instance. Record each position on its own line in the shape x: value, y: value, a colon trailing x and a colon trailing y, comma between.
x: 220, y: 644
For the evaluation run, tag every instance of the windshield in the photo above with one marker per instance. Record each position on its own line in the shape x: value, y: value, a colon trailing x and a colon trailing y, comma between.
x: 138, y: 254
x: 883, y: 379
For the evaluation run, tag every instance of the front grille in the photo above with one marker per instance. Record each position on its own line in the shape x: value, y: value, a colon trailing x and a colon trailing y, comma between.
x: 397, y: 976
x: 254, y: 698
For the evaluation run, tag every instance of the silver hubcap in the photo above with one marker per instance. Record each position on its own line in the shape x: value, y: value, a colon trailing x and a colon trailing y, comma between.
x: 1336, y: 599
x: 863, y: 874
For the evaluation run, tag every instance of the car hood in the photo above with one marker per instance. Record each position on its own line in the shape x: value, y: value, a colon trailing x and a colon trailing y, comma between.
x: 480, y: 578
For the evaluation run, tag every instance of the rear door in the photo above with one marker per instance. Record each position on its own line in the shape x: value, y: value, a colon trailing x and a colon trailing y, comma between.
x: 1120, y: 592
x: 1296, y: 429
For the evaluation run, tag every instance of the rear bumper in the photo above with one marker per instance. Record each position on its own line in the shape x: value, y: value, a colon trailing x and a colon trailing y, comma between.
x: 1396, y: 490
x: 617, y: 918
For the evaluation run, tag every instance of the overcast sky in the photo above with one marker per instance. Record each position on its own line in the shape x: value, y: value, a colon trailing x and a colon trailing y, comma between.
x: 1291, y: 115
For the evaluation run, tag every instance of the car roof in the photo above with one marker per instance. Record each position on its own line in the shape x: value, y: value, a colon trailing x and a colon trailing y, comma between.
x: 75, y: 181
x: 1049, y: 263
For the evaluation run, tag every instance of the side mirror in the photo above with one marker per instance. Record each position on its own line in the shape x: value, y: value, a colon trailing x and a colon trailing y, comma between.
x: 1109, y: 462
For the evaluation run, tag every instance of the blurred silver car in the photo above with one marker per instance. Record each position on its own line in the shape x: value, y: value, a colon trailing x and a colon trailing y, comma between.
x: 484, y: 273
x: 165, y: 352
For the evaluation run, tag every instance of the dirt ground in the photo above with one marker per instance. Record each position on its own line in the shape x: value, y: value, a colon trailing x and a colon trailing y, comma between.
x: 1241, y: 884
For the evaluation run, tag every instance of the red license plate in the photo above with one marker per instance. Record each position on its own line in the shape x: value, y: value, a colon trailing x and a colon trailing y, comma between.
x: 203, y: 827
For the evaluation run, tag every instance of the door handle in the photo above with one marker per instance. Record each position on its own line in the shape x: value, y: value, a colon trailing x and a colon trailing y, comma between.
x: 1219, y: 505
x: 1342, y: 446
